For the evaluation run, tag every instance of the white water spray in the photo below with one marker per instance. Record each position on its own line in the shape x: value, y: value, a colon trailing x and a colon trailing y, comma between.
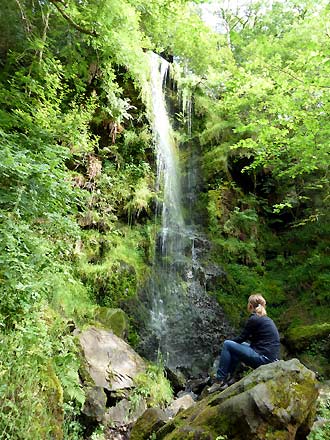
x: 167, y: 158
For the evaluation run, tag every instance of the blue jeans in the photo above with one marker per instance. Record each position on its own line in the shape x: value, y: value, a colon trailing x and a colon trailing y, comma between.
x: 233, y: 353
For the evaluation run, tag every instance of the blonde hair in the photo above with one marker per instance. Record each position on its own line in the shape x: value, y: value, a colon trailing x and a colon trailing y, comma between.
x: 257, y: 304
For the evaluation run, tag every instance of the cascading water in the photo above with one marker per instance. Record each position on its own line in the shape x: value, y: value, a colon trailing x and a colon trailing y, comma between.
x: 185, y: 324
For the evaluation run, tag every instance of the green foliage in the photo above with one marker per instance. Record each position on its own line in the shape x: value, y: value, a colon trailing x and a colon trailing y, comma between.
x: 70, y: 298
x: 27, y: 260
x: 268, y: 103
x: 76, y: 166
x: 38, y: 364
x: 322, y: 431
x: 98, y: 434
x: 153, y: 387
x: 112, y: 271
x: 72, y: 429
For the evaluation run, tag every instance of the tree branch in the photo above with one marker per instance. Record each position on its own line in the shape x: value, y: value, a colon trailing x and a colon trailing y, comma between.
x: 45, y: 19
x: 93, y: 33
x: 24, y: 18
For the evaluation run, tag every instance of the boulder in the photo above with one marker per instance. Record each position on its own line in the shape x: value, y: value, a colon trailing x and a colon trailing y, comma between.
x: 274, y: 402
x: 110, y: 362
x: 151, y: 420
x: 299, y: 338
x: 113, y: 319
x: 177, y: 379
x: 124, y: 413
x: 108, y: 371
x: 95, y: 403
x: 181, y: 403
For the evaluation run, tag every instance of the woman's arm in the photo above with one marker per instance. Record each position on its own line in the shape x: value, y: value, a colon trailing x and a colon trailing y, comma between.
x: 247, y: 330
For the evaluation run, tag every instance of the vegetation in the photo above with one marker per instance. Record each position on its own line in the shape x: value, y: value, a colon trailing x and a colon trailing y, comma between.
x: 77, y: 176
x: 265, y: 145
x: 153, y: 387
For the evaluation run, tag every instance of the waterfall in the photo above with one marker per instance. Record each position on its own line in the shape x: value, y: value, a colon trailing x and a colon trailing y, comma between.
x: 167, y: 157
x: 184, y: 323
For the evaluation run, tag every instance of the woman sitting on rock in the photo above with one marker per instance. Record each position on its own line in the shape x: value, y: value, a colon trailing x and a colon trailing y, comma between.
x: 263, y: 347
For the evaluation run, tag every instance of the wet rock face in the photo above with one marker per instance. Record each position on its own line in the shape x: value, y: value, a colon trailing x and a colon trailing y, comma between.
x: 189, y: 328
x: 274, y: 402
x: 186, y: 323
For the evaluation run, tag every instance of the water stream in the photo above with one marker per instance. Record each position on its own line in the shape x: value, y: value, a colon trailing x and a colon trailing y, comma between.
x: 185, y: 324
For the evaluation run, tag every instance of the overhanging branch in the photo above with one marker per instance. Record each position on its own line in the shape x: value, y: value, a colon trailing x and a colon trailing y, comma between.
x: 93, y: 33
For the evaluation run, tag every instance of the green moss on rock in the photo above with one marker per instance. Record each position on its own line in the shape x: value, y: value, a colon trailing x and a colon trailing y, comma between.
x: 52, y: 423
x: 272, y: 402
x: 113, y: 319
x: 301, y: 337
x: 152, y: 420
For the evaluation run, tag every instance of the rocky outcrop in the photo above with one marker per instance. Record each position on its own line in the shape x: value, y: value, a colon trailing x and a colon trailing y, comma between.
x: 179, y: 404
x: 153, y: 419
x: 274, y: 402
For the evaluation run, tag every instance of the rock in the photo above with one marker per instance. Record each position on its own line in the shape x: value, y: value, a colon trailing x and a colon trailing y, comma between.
x: 124, y: 413
x: 299, y: 338
x: 113, y: 319
x: 274, y: 402
x: 177, y: 379
x: 183, y: 402
x: 183, y: 393
x: 95, y: 403
x: 151, y: 421
x: 196, y: 386
x: 210, y: 276
x: 110, y: 362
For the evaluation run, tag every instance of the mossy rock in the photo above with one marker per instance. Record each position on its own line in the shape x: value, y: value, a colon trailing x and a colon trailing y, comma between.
x: 299, y: 338
x: 51, y: 422
x: 319, y: 364
x: 152, y: 420
x: 113, y: 319
x: 273, y: 402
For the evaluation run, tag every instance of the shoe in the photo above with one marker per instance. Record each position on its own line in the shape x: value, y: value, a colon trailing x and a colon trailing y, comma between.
x: 231, y: 381
x: 218, y: 385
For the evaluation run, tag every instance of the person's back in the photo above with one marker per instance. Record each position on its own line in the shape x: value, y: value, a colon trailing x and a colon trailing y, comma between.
x: 265, y: 339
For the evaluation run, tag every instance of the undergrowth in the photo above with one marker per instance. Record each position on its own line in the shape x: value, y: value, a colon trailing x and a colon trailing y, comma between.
x: 153, y: 387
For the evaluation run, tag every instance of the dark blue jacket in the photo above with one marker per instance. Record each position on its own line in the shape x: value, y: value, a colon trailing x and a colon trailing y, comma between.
x: 263, y: 336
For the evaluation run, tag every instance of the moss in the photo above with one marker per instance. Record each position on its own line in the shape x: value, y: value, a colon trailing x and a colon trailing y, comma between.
x: 206, y: 424
x: 151, y: 421
x: 301, y: 337
x: 189, y: 433
x: 316, y: 362
x: 53, y: 394
x: 83, y: 368
x: 277, y: 435
x: 112, y: 265
x: 114, y: 319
